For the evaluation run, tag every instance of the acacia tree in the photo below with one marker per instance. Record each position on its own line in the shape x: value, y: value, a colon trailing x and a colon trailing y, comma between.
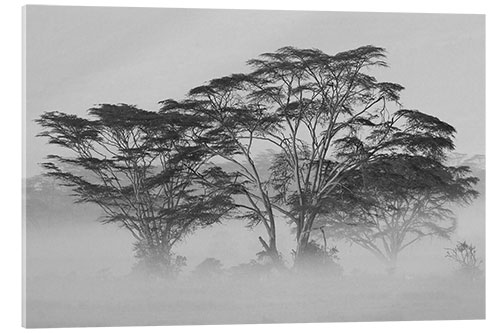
x: 326, y: 117
x: 398, y: 201
x: 233, y: 124
x: 137, y: 166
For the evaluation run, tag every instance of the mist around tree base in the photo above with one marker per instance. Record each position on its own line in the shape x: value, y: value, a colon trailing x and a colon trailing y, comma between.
x: 80, y: 273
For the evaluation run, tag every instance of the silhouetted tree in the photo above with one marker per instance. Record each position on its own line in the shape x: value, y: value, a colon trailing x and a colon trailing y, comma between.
x: 208, y: 268
x: 233, y: 127
x: 397, y: 201
x: 138, y: 166
x: 324, y: 115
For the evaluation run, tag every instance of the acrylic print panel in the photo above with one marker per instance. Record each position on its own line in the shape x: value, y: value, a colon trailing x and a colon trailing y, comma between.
x: 189, y: 166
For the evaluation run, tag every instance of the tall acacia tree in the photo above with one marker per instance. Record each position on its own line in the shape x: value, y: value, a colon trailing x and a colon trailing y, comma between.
x: 233, y: 125
x: 138, y: 167
x: 325, y: 116
x: 410, y: 198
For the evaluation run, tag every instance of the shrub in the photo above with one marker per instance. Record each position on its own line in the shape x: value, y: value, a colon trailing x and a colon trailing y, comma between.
x: 208, y: 268
x: 318, y: 259
x: 464, y: 255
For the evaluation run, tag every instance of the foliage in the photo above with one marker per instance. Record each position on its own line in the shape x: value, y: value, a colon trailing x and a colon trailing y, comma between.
x: 396, y: 201
x: 139, y: 167
x: 255, y: 269
x: 348, y: 158
x: 161, y: 266
x: 327, y: 118
x: 464, y: 255
x: 320, y: 259
x: 208, y: 268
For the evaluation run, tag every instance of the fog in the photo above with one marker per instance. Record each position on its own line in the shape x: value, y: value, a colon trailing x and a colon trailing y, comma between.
x: 120, y: 301
x: 79, y: 274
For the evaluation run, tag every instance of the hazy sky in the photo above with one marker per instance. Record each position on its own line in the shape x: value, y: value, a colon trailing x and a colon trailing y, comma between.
x: 80, y: 56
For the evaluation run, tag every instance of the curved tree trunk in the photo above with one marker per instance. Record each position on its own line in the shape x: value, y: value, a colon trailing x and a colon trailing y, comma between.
x: 272, y: 251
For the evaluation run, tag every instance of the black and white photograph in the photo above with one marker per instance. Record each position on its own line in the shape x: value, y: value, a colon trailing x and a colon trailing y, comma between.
x: 244, y: 166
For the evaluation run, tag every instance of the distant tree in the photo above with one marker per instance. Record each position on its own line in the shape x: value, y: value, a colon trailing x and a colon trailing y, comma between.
x: 208, y: 268
x: 256, y: 269
x: 138, y: 166
x: 324, y: 115
x: 397, y: 201
x: 464, y: 255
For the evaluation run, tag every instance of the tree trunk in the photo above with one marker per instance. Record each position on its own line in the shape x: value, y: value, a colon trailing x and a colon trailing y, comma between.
x: 154, y: 260
x: 272, y: 251
x: 392, y: 264
x: 306, y: 222
x: 301, y: 250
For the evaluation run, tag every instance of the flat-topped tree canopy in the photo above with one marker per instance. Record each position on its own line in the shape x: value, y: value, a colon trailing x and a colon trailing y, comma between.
x: 141, y: 167
x: 326, y: 116
x: 409, y: 198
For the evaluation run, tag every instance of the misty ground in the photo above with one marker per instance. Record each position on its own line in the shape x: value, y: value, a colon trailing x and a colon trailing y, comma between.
x: 80, y: 276
x: 111, y: 301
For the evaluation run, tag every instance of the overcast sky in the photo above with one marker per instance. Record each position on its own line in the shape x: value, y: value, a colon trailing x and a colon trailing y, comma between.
x: 77, y: 57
